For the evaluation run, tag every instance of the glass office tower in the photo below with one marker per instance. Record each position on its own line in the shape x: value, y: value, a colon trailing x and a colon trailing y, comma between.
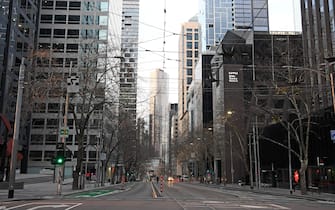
x: 219, y: 16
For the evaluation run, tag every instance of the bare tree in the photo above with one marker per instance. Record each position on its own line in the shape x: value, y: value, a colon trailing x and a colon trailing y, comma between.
x: 296, y: 117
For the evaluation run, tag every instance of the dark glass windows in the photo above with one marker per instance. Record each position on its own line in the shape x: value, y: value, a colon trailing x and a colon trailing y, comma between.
x: 61, y: 5
x: 46, y: 18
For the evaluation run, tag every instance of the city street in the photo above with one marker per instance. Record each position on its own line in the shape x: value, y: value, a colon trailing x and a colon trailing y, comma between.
x: 138, y: 195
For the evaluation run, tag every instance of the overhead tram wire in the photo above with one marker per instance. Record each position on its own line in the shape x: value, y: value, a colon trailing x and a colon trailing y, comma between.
x: 164, y: 35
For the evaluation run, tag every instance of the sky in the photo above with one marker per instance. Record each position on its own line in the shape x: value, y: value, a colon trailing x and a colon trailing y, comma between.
x: 284, y: 16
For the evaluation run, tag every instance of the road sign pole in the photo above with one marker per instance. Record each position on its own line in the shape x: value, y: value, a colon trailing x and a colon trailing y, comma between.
x: 13, y: 158
x: 62, y: 167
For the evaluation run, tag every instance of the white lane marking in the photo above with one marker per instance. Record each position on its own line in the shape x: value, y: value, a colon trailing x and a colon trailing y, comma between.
x: 49, y: 206
x: 58, y: 205
x: 327, y: 202
x: 254, y: 207
x: 278, y: 206
x: 74, y: 206
x: 213, y: 202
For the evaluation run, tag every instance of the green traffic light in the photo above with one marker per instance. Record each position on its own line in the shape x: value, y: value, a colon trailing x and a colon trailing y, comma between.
x: 60, y: 160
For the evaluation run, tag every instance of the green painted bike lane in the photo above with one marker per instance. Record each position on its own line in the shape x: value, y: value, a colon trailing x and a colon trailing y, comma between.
x: 93, y: 193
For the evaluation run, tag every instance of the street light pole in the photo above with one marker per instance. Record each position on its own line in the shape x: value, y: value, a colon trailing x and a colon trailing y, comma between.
x: 13, y: 158
x: 231, y: 157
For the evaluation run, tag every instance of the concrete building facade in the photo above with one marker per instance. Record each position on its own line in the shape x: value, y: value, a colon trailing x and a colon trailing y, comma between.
x: 75, y: 38
x: 189, y: 49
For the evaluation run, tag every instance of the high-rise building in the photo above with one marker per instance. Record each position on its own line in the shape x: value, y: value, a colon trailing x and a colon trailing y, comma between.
x: 173, y: 136
x: 189, y: 49
x: 76, y: 39
x: 319, y: 45
x: 159, y: 113
x: 219, y: 16
x: 128, y: 79
x: 17, y: 40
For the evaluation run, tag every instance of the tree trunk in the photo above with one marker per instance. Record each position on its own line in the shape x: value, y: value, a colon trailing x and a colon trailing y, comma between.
x: 302, y: 172
x: 75, y: 180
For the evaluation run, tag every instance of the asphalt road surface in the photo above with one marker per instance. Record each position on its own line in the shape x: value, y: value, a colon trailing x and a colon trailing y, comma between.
x: 184, y: 196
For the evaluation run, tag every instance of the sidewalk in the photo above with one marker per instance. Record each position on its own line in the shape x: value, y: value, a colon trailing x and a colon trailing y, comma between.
x: 314, y: 196
x: 41, y: 190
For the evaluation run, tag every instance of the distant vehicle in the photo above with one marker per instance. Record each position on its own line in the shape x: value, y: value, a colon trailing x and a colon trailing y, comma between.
x: 184, y: 178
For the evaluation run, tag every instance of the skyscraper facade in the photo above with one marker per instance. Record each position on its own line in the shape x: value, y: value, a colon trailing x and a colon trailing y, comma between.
x: 18, y: 20
x: 219, y: 16
x: 75, y: 38
x: 319, y: 45
x: 189, y: 49
x: 159, y: 123
x: 128, y: 79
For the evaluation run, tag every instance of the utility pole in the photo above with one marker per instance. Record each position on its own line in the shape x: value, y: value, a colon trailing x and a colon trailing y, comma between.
x: 13, y: 158
x: 60, y: 168
x: 250, y: 163
x: 289, y: 156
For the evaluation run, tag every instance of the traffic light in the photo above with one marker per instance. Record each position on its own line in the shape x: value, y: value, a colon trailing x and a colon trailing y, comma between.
x: 59, y: 158
x: 296, y: 176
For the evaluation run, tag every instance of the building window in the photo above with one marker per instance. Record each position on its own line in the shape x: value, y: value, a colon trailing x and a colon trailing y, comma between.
x: 44, y: 32
x: 104, y: 6
x: 47, y: 4
x: 61, y: 5
x: 38, y: 123
x: 50, y: 139
x: 35, y: 155
x: 74, y: 19
x: 60, y: 19
x: 72, y: 33
x: 87, y: 20
x: 57, y: 47
x: 72, y: 48
x: 196, y: 54
x: 59, y: 33
x: 52, y: 123
x: 196, y: 45
x: 53, y: 107
x: 189, y: 36
x: 57, y: 62
x: 89, y: 6
x: 189, y: 80
x: 74, y: 5
x: 189, y: 62
x: 189, y: 45
x: 36, y: 139
x: 102, y: 34
x: 46, y: 18
x: 103, y: 20
x: 189, y: 72
x: 189, y: 54
x: 196, y: 36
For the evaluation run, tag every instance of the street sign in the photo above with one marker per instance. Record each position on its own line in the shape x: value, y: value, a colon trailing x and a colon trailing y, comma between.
x: 60, y: 146
x: 73, y: 84
x: 102, y: 156
x: 332, y: 135
x: 64, y: 132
